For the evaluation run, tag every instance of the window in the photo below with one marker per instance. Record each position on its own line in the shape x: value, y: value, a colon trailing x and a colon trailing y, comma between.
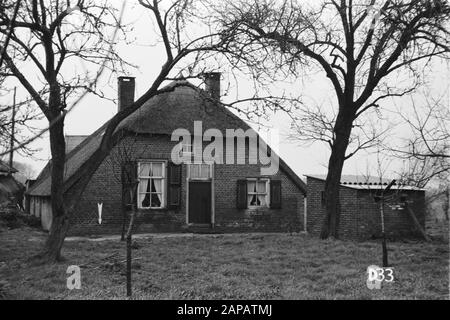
x: 200, y: 171
x: 152, y: 181
x: 257, y: 193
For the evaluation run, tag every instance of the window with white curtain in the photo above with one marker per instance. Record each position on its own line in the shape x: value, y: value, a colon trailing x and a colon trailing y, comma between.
x: 257, y: 193
x: 152, y: 182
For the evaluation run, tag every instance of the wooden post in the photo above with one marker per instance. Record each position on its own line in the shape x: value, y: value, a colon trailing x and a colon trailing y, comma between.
x: 383, y: 234
x: 383, y: 231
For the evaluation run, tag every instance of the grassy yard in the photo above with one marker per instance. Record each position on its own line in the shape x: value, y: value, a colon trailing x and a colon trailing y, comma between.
x: 277, y: 266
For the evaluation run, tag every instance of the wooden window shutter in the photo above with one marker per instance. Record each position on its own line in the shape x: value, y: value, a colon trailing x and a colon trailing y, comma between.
x: 241, y: 198
x: 275, y: 194
x: 174, y: 186
x: 129, y: 177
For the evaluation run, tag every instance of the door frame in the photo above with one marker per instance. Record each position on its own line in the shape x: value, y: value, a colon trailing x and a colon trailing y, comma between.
x: 211, y: 179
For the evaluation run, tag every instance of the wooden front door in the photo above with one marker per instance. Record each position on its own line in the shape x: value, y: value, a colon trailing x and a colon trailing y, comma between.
x: 200, y: 202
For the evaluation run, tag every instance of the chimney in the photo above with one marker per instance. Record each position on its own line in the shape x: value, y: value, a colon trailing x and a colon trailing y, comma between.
x: 212, y: 84
x: 125, y: 86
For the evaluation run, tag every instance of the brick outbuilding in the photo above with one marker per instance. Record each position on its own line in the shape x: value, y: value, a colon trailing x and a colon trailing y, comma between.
x: 360, y: 214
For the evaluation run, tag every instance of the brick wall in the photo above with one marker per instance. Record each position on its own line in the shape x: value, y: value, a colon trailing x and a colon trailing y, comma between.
x: 360, y: 214
x: 105, y: 187
x: 289, y: 218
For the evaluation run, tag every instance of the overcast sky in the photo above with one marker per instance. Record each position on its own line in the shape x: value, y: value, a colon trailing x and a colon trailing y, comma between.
x: 93, y: 111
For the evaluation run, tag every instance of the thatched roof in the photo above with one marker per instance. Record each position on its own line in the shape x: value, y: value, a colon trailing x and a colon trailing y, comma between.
x: 73, y: 141
x: 160, y: 115
x: 179, y: 109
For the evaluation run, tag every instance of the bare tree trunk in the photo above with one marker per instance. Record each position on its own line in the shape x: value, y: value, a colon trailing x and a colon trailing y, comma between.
x: 446, y: 206
x: 124, y: 221
x: 342, y: 130
x: 129, y: 252
x: 60, y: 221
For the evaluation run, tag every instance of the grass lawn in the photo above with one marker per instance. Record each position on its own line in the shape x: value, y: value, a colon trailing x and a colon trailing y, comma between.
x: 276, y: 266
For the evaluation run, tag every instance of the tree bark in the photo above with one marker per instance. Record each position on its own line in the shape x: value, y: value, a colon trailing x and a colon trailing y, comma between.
x: 446, y: 205
x: 342, y: 131
x: 129, y: 249
x: 60, y: 221
x: 124, y: 221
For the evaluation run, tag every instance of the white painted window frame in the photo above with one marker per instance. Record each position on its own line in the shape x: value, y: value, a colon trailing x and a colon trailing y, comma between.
x: 267, y: 193
x: 163, y: 183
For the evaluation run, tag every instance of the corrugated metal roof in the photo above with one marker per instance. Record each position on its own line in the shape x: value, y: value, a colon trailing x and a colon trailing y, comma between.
x: 160, y: 115
x: 366, y: 182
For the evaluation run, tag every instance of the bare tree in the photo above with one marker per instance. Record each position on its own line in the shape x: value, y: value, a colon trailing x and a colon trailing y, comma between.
x: 183, y: 51
x: 16, y: 123
x: 121, y: 163
x: 311, y: 123
x: 124, y: 153
x: 191, y: 41
x: 427, y: 152
x: 369, y: 50
x: 46, y: 38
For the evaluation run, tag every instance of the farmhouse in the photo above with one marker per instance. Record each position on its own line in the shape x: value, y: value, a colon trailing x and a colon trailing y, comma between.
x: 360, y: 213
x: 175, y: 197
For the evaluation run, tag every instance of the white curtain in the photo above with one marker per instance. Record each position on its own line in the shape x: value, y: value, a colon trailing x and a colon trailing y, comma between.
x: 257, y: 191
x: 145, y: 169
x: 144, y: 185
x: 157, y: 170
x: 262, y: 192
x: 251, y: 198
x: 151, y: 177
x: 158, y: 188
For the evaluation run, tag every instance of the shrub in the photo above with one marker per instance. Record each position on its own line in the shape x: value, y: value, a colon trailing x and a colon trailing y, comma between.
x: 13, y: 218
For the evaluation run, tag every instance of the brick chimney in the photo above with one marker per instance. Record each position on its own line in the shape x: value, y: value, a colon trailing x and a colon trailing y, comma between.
x: 212, y: 84
x: 125, y: 87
